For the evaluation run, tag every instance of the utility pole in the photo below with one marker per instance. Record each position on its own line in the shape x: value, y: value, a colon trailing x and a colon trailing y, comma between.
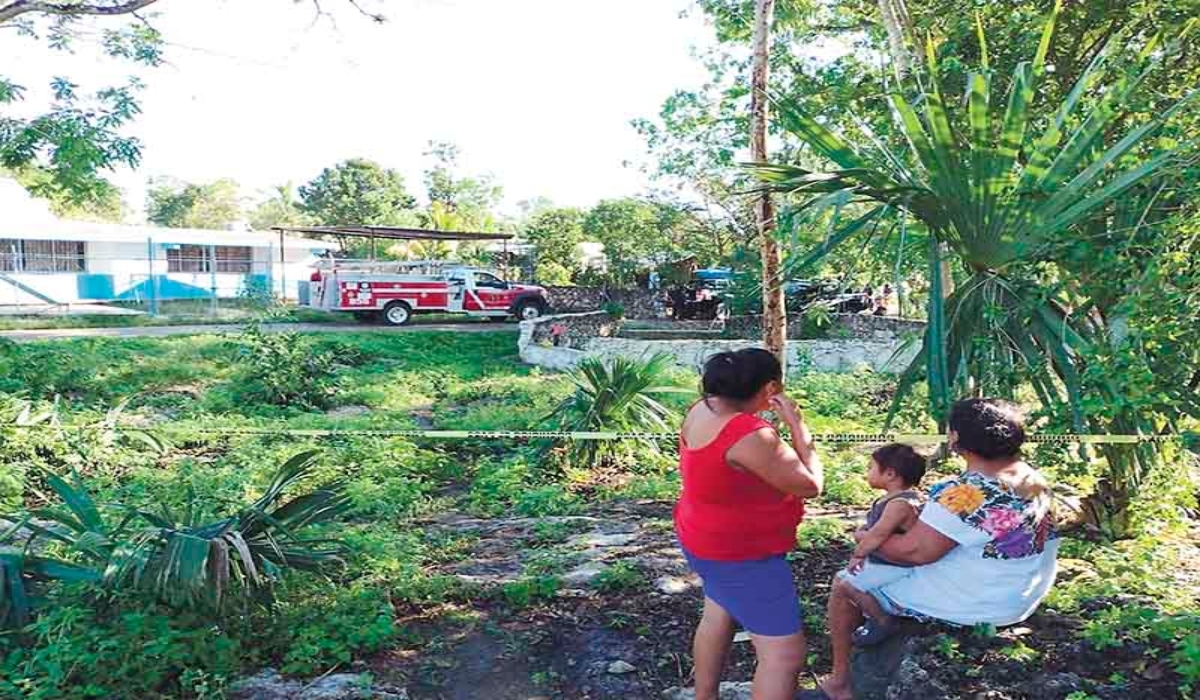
x: 774, y: 325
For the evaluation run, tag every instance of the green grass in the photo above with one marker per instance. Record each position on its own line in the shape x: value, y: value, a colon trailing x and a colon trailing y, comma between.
x: 194, y: 387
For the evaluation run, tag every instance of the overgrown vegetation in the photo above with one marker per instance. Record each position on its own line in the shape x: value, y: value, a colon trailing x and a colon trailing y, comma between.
x: 1003, y: 186
x: 213, y: 450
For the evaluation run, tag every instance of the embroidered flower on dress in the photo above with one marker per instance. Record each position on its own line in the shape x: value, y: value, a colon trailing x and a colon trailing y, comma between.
x: 1015, y: 544
x: 1018, y: 527
x: 962, y: 499
x: 1000, y: 521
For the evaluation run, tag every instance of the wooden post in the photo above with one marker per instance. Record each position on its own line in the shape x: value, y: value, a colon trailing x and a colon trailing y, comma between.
x: 774, y: 312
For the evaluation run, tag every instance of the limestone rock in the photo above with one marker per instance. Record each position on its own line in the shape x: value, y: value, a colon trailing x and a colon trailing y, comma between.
x: 729, y: 691
x: 269, y: 685
x: 672, y: 585
x: 621, y: 667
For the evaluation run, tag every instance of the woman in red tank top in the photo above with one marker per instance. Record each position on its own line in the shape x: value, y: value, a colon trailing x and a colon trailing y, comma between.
x: 743, y: 491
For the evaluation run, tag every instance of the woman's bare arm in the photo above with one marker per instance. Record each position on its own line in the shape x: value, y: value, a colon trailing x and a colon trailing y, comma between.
x: 768, y: 457
x: 920, y: 545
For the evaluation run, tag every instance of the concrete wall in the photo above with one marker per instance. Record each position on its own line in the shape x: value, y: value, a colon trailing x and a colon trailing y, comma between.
x: 834, y: 355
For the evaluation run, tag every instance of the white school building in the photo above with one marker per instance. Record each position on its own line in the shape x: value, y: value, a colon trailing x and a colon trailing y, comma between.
x: 45, y: 260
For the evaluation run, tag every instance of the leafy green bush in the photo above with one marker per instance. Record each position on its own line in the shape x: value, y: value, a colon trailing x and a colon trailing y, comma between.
x: 512, y: 483
x: 822, y: 533
x: 44, y: 370
x: 355, y: 619
x: 530, y: 590
x: 284, y: 369
x: 621, y: 576
x: 73, y: 651
x: 617, y: 311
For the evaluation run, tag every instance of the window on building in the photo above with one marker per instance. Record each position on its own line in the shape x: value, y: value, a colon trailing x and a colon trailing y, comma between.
x: 234, y: 259
x: 18, y: 255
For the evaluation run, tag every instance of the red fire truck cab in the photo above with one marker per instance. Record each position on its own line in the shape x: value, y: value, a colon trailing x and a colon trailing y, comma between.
x: 393, y: 291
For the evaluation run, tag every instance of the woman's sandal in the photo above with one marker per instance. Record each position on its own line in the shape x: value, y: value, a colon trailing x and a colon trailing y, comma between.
x: 872, y: 632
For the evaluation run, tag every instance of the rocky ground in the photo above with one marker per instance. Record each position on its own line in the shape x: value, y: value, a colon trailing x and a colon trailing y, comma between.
x: 602, y: 606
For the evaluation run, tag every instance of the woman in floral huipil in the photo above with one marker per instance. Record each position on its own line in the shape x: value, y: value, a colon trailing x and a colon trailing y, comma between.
x: 983, y: 551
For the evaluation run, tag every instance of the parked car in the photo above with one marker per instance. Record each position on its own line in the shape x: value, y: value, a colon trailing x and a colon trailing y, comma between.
x: 802, y: 293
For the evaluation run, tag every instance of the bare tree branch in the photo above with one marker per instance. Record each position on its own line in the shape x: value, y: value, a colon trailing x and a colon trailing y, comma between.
x: 374, y: 16
x: 17, y: 8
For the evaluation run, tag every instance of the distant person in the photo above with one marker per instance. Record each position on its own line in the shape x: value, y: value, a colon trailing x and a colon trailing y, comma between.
x: 653, y: 281
x: 883, y: 301
x: 743, y: 497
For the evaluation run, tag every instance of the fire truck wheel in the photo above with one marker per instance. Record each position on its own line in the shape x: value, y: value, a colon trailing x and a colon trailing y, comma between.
x: 528, y: 310
x: 397, y: 313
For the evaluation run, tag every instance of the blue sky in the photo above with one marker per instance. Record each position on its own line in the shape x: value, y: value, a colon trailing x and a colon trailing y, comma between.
x: 537, y: 92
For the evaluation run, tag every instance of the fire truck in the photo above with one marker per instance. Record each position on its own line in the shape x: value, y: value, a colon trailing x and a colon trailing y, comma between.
x: 393, y: 291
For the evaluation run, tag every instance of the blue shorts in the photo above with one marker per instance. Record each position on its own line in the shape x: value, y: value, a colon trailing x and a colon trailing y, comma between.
x: 759, y: 593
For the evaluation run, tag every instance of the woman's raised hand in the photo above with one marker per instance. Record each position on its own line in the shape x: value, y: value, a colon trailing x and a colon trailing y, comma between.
x: 787, y: 410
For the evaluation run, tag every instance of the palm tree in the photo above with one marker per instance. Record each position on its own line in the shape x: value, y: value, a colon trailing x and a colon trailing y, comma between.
x: 178, y: 559
x: 622, y: 396
x: 1002, y: 186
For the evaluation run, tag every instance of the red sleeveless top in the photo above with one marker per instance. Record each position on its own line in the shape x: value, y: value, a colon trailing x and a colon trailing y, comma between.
x: 727, y: 514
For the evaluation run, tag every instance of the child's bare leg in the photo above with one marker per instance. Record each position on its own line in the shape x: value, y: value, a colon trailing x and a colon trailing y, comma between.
x: 866, y: 602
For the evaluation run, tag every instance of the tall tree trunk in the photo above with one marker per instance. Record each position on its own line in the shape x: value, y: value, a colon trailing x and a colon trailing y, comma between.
x: 774, y: 314
x: 897, y: 23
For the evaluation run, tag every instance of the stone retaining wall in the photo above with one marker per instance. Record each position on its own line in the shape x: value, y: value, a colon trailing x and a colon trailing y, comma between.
x: 638, y: 303
x: 562, y: 342
x: 844, y: 326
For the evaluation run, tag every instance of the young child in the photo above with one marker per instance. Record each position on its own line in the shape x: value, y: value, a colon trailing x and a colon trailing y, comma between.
x: 896, y: 470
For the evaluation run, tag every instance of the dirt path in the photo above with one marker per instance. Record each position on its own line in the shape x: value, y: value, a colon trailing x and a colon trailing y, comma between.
x: 601, y: 606
x: 616, y: 621
x: 223, y: 329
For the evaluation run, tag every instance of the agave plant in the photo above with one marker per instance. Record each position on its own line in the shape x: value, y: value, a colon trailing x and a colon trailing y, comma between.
x: 180, y: 560
x: 1000, y: 185
x: 621, y: 396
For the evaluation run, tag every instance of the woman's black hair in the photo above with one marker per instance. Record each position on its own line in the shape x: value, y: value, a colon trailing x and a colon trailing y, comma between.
x: 739, y: 375
x: 991, y: 428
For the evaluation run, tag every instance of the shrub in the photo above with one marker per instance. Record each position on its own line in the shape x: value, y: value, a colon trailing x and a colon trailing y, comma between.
x: 617, y: 311
x: 514, y: 484
x: 623, y: 396
x: 621, y: 576
x: 284, y: 369
x: 44, y: 370
x: 139, y: 652
x: 527, y: 591
x: 353, y: 620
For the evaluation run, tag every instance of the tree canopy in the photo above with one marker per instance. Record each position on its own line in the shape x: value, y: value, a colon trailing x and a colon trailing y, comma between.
x: 358, y: 191
x: 214, y: 205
